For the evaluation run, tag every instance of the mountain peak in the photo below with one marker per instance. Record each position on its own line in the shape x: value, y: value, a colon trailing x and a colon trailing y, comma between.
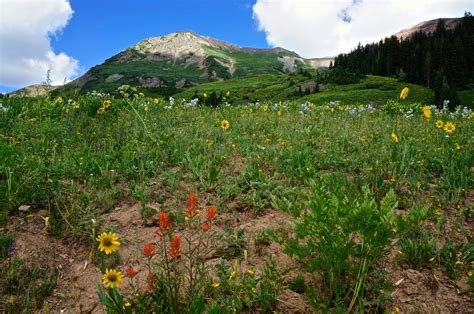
x: 427, y: 27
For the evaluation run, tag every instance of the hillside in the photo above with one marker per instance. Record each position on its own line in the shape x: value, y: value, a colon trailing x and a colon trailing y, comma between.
x: 427, y: 27
x: 372, y: 89
x: 33, y: 90
x: 184, y: 59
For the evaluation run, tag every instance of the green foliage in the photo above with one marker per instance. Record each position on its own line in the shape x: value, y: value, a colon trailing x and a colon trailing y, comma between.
x: 25, y: 286
x: 239, y: 290
x: 6, y: 242
x: 342, y: 239
x: 298, y: 284
x: 231, y: 244
x: 419, y: 250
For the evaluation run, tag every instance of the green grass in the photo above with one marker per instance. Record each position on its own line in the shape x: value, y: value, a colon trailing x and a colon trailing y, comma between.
x: 314, y: 162
x: 250, y: 88
x: 272, y: 87
x: 373, y: 89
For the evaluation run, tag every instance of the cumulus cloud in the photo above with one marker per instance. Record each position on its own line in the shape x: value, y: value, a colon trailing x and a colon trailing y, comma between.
x: 318, y: 28
x: 26, y: 28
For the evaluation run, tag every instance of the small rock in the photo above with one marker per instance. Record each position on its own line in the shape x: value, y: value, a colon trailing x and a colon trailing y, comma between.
x: 462, y: 286
x: 24, y: 208
x: 150, y: 222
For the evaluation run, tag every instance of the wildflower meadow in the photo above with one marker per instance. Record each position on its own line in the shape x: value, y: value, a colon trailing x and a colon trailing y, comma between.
x: 164, y: 205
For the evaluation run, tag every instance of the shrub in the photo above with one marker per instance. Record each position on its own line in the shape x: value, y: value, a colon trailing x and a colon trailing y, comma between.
x: 341, y: 239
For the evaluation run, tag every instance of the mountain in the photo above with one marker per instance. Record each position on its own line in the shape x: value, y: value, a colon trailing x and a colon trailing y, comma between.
x: 185, y: 59
x: 33, y: 90
x: 428, y: 27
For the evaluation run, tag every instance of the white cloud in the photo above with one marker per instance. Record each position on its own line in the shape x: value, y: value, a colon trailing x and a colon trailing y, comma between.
x: 316, y: 28
x: 26, y: 28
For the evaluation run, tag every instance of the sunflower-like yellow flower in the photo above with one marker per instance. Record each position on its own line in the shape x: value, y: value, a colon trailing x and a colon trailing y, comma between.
x: 449, y: 127
x: 215, y: 285
x: 265, y: 107
x: 59, y: 100
x: 112, y: 278
x: 101, y: 110
x: 404, y: 93
x: 107, y: 103
x: 76, y: 105
x: 394, y: 137
x: 108, y: 242
x: 225, y: 124
x: 426, y: 112
x: 439, y: 124
x: 156, y: 101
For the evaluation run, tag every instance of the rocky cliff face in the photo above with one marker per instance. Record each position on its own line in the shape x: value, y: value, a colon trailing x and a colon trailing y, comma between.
x: 427, y: 27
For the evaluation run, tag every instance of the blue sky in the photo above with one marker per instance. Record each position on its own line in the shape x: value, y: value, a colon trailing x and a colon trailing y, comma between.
x: 70, y: 36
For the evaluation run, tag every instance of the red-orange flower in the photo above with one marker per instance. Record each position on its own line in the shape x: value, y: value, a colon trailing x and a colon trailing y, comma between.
x: 205, y: 226
x: 151, y: 278
x: 131, y: 272
x: 164, y: 222
x: 148, y: 250
x: 175, y: 246
x: 211, y: 213
x: 191, y: 205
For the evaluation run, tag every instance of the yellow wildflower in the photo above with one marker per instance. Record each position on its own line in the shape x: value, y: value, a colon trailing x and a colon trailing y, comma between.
x: 101, y: 110
x: 108, y: 242
x: 233, y: 274
x: 112, y: 278
x: 228, y: 93
x: 215, y: 285
x: 59, y: 100
x: 225, y: 124
x: 394, y: 137
x: 439, y: 124
x: 106, y: 104
x: 449, y: 127
x: 404, y: 93
x: 128, y: 304
x: 265, y: 107
x: 156, y: 101
x: 469, y: 273
x: 426, y: 112
x: 205, y: 95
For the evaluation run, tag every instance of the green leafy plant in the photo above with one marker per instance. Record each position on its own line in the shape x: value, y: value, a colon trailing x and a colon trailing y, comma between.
x: 343, y: 240
x: 231, y: 244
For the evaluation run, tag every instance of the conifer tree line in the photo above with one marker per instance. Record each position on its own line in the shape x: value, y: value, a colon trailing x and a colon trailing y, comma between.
x: 442, y: 60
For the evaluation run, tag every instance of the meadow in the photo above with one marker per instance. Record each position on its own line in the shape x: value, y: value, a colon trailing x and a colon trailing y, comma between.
x: 319, y: 205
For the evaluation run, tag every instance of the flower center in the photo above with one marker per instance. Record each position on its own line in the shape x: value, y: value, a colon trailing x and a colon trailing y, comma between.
x: 112, y: 278
x: 107, y: 242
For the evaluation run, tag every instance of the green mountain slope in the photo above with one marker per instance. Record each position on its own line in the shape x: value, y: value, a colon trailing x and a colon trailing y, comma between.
x: 183, y: 59
x: 372, y: 89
